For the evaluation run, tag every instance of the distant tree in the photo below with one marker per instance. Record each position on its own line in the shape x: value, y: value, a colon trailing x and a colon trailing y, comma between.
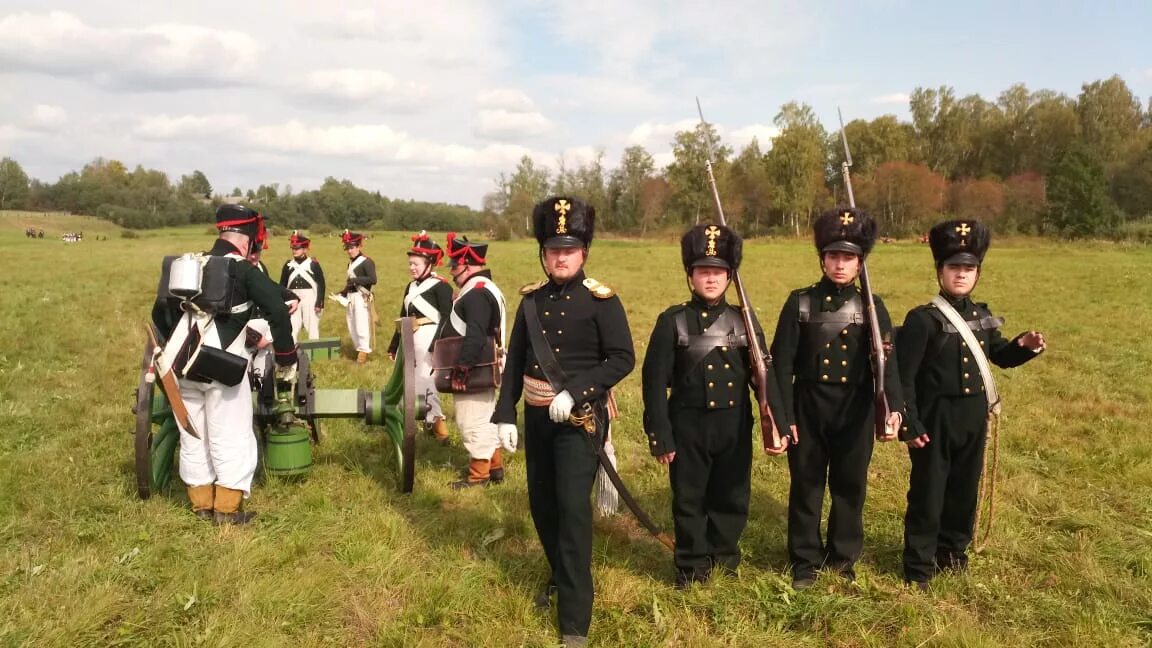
x: 1109, y: 114
x: 625, y: 184
x: 690, y: 196
x: 798, y: 164
x: 195, y: 184
x: 14, y: 184
x: 1077, y: 195
x: 904, y: 197
x: 1024, y: 202
x: 981, y: 200
x: 654, y: 195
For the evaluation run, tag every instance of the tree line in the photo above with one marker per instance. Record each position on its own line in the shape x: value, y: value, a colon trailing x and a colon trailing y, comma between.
x: 1035, y: 162
x: 146, y: 198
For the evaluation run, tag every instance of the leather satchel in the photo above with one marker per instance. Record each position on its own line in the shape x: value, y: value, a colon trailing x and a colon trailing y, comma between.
x: 484, y: 375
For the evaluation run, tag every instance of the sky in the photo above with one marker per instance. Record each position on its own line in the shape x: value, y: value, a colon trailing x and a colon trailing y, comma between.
x: 432, y: 100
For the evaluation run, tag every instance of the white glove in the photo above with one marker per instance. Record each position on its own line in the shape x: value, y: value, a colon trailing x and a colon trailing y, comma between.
x: 508, y: 436
x: 561, y: 407
x: 286, y: 374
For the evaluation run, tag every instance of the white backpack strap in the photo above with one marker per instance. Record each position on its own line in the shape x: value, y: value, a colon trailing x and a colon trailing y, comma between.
x: 415, y: 298
x: 302, y: 271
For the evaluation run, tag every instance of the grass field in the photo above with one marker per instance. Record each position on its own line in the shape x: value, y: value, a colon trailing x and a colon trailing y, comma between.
x: 343, y: 559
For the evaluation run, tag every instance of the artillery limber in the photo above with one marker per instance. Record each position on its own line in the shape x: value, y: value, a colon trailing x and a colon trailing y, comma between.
x: 286, y: 418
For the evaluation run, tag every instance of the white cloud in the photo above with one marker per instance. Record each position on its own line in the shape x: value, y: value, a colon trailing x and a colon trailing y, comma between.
x: 188, y: 127
x: 362, y: 86
x: 47, y: 118
x: 894, y: 98
x: 658, y: 136
x: 741, y: 137
x: 509, y: 126
x: 163, y: 56
x: 506, y: 98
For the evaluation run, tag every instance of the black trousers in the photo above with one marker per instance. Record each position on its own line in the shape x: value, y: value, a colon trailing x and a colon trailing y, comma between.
x: 944, y: 486
x: 836, y: 438
x: 711, y: 481
x: 561, y: 467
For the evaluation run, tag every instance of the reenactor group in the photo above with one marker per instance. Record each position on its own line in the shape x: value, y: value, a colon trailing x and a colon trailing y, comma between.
x: 570, y: 344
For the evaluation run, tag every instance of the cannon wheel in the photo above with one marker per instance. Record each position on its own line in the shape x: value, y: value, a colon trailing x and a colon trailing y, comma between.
x: 408, y: 445
x: 156, y: 436
x: 143, y: 410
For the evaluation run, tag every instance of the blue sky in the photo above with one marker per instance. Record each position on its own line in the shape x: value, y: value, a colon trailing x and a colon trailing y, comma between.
x: 432, y: 100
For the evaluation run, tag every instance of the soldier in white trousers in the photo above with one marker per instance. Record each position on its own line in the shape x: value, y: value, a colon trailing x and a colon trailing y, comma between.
x: 428, y: 300
x: 358, y: 295
x: 303, y: 275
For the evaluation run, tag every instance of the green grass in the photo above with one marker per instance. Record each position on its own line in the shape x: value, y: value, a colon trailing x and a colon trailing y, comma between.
x: 342, y: 559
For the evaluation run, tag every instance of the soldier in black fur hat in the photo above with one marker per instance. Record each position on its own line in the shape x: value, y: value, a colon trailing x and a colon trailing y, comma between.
x: 821, y: 358
x: 570, y: 345
x: 703, y: 430
x: 951, y: 401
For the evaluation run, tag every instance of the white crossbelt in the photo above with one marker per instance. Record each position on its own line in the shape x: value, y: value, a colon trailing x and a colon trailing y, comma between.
x: 458, y: 322
x: 977, y: 351
x: 302, y: 270
x: 415, y: 298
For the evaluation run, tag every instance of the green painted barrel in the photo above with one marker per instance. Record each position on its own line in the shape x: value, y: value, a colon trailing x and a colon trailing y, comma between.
x: 288, y: 451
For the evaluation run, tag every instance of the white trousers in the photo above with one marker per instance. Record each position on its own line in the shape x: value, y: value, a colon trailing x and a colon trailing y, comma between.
x: 225, y: 454
x: 305, y: 316
x: 473, y: 418
x: 360, y: 322
x: 425, y: 385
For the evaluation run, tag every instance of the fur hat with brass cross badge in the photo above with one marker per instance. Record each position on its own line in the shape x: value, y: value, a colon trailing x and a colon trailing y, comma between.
x: 959, y: 242
x: 845, y: 229
x: 713, y: 246
x: 562, y: 222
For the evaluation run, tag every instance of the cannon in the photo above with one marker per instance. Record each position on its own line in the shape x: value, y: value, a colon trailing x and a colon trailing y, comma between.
x: 286, y: 418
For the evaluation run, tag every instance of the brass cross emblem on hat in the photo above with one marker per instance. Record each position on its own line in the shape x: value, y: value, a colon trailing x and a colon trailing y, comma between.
x: 846, y: 218
x: 963, y: 229
x: 713, y: 233
x: 562, y: 207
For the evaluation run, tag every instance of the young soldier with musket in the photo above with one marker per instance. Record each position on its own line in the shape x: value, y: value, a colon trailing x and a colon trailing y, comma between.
x: 821, y: 357
x: 570, y: 345
x: 303, y: 275
x: 703, y: 430
x: 945, y: 347
x: 202, y: 308
x: 428, y: 300
x: 467, y: 359
x: 357, y: 294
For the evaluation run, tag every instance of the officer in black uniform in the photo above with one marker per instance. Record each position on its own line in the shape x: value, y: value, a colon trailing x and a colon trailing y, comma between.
x: 821, y: 359
x: 303, y: 276
x: 586, y: 336
x: 703, y: 431
x: 948, y: 404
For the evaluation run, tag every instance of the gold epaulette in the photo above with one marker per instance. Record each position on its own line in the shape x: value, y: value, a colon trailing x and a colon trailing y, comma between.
x: 528, y: 289
x: 598, y: 290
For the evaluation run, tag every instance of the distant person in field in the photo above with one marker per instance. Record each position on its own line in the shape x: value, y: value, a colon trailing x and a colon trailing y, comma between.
x: 944, y: 350
x: 427, y: 298
x: 570, y: 346
x: 357, y: 291
x: 303, y: 275
x: 218, y: 467
x: 821, y: 356
x: 477, y: 321
x: 703, y: 430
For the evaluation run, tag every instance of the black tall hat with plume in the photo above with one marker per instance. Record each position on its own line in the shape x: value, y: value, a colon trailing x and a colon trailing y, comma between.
x: 845, y: 229
x: 563, y: 222
x: 713, y: 246
x: 461, y: 251
x: 960, y: 242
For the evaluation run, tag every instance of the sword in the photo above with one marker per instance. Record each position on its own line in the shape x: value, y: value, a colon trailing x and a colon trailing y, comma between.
x: 168, y: 383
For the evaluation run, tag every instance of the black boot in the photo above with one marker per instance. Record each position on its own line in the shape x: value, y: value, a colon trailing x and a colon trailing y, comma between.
x: 543, y: 598
x: 235, y: 517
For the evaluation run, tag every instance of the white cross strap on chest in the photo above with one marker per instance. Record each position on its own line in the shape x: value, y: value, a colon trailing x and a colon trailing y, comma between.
x: 302, y: 270
x: 978, y: 353
x: 353, y: 264
x: 485, y: 284
x: 415, y: 298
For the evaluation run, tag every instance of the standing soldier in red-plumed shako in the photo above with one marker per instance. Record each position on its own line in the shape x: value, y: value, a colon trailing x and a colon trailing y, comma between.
x: 477, y: 321
x: 205, y: 348
x: 303, y: 275
x: 361, y: 276
x: 428, y: 299
x: 570, y: 345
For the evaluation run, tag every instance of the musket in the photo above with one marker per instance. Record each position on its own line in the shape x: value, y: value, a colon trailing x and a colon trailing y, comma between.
x: 758, y: 356
x: 878, y: 352
x: 168, y: 384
